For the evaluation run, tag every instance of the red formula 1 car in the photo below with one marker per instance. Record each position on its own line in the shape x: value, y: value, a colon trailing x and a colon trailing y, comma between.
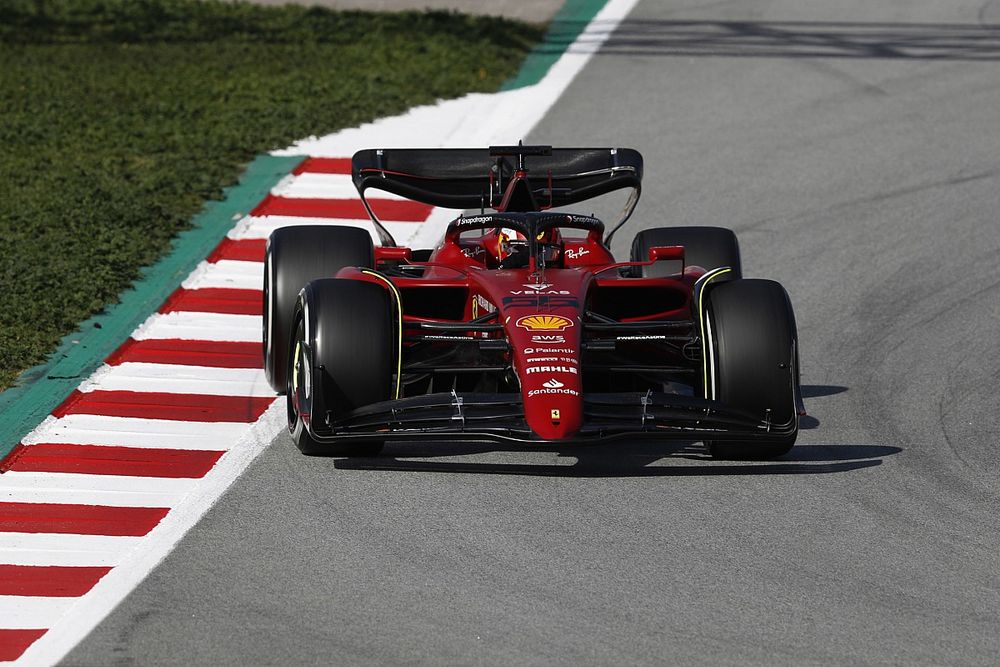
x: 521, y: 326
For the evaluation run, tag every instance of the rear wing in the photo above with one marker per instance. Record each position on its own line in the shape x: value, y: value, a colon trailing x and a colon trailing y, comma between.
x: 504, y: 178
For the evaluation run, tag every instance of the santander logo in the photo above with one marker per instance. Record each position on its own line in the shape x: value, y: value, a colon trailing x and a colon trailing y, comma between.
x: 553, y: 384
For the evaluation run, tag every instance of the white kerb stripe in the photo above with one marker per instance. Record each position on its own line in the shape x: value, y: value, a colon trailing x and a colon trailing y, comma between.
x: 228, y: 274
x: 170, y: 379
x: 113, y: 490
x: 201, y: 326
x: 19, y: 612
x: 135, y: 432
x: 66, y: 550
x: 324, y: 186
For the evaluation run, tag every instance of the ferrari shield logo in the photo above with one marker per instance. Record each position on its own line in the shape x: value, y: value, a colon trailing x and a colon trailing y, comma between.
x: 544, y: 323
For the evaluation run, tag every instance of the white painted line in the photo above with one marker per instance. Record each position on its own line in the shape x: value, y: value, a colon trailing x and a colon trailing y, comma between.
x: 226, y: 273
x: 170, y: 379
x: 133, y: 432
x: 112, y: 490
x: 91, y: 609
x: 32, y: 613
x: 67, y: 550
x: 323, y: 186
x: 201, y: 326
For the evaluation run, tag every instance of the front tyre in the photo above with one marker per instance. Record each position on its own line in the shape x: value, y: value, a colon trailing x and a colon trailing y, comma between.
x: 294, y: 256
x: 341, y: 357
x: 751, y: 361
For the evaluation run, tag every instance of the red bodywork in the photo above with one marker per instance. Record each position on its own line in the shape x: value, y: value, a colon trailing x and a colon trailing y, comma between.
x: 541, y: 311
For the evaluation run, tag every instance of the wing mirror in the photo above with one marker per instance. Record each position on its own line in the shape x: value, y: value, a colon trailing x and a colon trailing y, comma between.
x: 392, y: 254
x: 667, y: 252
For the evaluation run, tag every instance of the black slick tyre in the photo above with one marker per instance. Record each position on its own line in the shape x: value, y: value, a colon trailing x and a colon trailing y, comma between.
x: 294, y: 256
x: 752, y: 361
x: 707, y: 247
x: 341, y: 357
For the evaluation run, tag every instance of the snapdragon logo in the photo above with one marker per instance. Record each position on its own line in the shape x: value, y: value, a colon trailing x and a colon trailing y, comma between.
x: 476, y: 220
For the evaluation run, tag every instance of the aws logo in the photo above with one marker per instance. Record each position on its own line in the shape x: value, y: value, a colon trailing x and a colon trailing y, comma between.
x: 544, y: 323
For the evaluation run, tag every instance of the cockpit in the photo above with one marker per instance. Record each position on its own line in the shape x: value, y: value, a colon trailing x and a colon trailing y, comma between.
x: 526, y: 240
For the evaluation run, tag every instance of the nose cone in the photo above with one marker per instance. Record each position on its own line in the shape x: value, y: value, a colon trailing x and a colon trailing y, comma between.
x: 547, y: 356
x: 542, y: 320
x: 554, y: 418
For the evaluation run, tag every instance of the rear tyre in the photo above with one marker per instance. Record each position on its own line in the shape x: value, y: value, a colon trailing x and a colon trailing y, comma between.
x: 751, y: 352
x: 707, y: 247
x: 294, y: 256
x: 341, y: 357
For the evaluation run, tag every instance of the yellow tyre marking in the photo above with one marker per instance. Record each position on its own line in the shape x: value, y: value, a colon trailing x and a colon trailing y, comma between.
x: 707, y: 278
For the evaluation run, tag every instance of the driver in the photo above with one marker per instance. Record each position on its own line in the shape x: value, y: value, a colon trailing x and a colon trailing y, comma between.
x: 513, y: 252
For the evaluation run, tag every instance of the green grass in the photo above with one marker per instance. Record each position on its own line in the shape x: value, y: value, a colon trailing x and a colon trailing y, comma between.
x: 119, y: 118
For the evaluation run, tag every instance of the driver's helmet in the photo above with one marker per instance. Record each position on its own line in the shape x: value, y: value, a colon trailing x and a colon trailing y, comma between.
x: 512, y: 250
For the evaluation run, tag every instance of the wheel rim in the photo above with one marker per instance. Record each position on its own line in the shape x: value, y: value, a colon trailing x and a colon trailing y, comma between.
x: 299, y: 383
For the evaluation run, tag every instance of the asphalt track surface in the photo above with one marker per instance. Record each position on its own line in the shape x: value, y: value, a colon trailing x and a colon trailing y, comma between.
x: 854, y: 147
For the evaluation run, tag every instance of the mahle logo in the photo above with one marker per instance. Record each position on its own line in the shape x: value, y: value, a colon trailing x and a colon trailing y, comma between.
x: 544, y: 323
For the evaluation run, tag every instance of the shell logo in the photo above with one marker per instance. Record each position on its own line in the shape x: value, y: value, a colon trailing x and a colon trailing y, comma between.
x: 544, y: 323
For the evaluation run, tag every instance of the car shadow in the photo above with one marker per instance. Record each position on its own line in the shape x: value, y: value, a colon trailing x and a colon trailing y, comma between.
x: 821, y: 390
x: 808, y: 422
x: 623, y: 459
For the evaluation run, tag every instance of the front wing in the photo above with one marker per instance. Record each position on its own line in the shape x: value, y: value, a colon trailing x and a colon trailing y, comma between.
x: 500, y: 417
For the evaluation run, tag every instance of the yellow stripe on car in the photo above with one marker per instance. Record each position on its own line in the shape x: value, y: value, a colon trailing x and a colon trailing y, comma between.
x: 399, y: 309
